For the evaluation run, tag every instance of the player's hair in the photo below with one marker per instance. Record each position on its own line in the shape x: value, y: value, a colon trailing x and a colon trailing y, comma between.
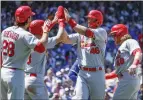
x: 21, y: 24
x: 125, y: 37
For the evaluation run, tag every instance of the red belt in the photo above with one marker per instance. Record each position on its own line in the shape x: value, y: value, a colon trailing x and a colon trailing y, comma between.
x: 91, y: 69
x: 13, y: 68
x: 33, y: 74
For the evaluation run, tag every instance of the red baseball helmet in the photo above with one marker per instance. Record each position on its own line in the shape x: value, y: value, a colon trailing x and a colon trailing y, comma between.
x: 22, y: 13
x: 35, y: 27
x: 98, y: 16
x: 119, y: 30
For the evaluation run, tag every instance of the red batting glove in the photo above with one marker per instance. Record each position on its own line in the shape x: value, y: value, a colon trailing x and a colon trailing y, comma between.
x: 61, y: 16
x: 48, y: 25
x: 60, y: 13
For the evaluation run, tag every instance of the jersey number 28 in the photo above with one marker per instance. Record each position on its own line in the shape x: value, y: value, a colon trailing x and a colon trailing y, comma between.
x: 8, y: 48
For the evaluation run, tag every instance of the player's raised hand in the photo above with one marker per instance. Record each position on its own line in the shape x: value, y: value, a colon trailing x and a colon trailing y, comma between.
x: 55, y: 20
x: 47, y: 26
x: 67, y: 15
x: 60, y: 12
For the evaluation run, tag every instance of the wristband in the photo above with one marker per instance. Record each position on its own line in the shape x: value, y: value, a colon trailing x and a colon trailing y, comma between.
x: 72, y: 22
x: 61, y: 22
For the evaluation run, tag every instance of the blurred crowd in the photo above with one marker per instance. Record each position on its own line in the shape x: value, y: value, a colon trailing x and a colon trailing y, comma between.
x: 61, y: 58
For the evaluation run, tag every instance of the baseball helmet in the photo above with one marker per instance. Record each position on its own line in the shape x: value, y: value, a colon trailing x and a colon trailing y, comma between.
x: 119, y: 30
x: 96, y: 14
x: 23, y: 13
x: 35, y: 27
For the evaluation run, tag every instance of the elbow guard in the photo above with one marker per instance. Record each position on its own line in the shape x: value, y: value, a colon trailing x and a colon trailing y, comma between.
x: 39, y: 48
x: 89, y: 33
x: 136, y: 50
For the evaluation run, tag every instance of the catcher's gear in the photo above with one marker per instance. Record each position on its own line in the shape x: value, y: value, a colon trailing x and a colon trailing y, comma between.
x: 95, y: 14
x: 23, y: 13
x: 35, y: 27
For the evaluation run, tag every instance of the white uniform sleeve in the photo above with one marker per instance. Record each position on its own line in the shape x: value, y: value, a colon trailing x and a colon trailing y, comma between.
x: 132, y: 45
x: 51, y: 42
x: 74, y: 38
x: 100, y: 34
x: 30, y: 40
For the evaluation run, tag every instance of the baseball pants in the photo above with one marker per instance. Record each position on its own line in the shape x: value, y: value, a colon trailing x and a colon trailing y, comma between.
x: 35, y: 88
x: 12, y: 84
x: 128, y: 87
x: 90, y: 84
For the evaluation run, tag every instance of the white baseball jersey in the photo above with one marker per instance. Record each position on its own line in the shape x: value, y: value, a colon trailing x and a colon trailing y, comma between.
x: 37, y: 61
x: 91, y: 51
x: 17, y: 45
x: 124, y: 57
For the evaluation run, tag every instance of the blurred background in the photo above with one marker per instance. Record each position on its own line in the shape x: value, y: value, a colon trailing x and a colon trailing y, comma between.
x: 61, y: 58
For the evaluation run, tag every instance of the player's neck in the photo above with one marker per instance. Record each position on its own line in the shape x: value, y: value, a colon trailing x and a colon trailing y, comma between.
x: 24, y: 27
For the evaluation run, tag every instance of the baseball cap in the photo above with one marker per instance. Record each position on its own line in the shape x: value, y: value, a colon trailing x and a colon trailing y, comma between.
x: 23, y: 13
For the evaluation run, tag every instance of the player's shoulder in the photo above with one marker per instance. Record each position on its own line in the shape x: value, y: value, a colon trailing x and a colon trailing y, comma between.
x: 100, y: 30
x: 74, y: 35
x: 7, y: 29
x: 26, y: 33
x: 131, y: 40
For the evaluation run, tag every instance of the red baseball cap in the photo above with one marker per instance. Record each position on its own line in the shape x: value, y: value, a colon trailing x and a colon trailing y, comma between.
x: 23, y: 13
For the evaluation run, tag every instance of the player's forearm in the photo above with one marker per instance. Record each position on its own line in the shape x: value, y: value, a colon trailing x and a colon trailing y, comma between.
x: 137, y: 58
x: 78, y: 28
x: 111, y: 75
x: 59, y: 35
x: 66, y: 38
x: 44, y: 38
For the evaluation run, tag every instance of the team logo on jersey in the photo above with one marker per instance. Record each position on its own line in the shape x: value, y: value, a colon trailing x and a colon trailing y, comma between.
x: 119, y: 60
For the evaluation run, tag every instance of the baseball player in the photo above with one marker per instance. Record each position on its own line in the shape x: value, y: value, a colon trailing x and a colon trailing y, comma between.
x: 126, y: 62
x: 91, y: 43
x: 17, y: 45
x: 35, y: 69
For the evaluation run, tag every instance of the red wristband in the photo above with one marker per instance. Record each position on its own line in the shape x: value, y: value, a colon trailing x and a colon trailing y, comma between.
x: 52, y: 25
x: 61, y: 22
x: 72, y: 22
